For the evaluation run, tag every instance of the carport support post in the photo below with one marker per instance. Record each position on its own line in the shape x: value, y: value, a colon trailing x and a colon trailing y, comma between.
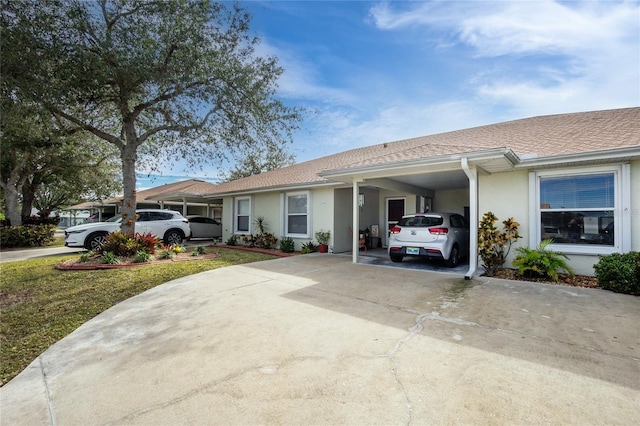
x: 355, y: 246
x: 472, y: 174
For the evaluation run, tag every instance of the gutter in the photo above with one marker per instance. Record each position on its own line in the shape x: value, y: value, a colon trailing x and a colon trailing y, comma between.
x: 448, y: 159
x: 472, y: 174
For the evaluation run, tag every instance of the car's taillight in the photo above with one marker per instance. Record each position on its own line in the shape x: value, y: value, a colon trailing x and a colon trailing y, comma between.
x: 395, y: 230
x: 439, y: 231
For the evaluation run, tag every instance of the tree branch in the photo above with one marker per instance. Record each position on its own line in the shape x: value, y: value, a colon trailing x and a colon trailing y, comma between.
x: 88, y: 127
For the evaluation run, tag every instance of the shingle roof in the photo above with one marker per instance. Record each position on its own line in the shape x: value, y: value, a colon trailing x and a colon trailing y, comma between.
x: 543, y: 136
x: 189, y: 186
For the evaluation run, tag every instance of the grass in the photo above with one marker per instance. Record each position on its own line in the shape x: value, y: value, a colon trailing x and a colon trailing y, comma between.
x: 41, y: 305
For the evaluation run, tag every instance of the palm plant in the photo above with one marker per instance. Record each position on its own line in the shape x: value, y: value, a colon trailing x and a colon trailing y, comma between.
x: 541, y: 262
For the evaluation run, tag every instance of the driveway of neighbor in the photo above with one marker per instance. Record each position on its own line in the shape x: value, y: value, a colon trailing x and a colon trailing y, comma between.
x: 315, y: 339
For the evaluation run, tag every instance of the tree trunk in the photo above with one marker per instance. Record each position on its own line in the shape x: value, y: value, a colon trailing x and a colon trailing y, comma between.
x: 12, y: 204
x: 28, y: 195
x: 128, y: 155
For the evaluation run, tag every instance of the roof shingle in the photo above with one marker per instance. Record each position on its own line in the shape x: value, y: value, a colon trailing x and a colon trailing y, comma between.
x: 542, y: 136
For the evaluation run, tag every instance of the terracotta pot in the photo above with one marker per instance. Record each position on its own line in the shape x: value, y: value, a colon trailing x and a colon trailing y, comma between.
x: 323, y: 248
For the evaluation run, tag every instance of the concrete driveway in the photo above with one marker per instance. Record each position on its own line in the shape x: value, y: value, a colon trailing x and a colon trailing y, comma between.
x: 315, y: 339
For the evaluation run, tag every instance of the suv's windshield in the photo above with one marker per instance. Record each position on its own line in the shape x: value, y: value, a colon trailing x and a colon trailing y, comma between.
x: 421, y: 221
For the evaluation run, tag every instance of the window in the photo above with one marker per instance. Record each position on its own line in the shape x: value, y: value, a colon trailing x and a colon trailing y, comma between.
x: 580, y: 212
x: 242, y: 215
x: 297, y: 213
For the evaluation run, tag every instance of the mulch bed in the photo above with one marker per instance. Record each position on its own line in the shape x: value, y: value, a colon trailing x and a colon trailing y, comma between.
x: 273, y: 252
x: 563, y: 279
x: 94, y: 264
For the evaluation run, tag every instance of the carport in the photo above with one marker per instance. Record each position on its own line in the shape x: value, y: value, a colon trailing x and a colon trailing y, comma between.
x: 425, y: 178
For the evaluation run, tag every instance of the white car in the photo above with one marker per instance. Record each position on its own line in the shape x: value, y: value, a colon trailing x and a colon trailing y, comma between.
x: 168, y: 225
x: 442, y: 236
x: 204, y: 227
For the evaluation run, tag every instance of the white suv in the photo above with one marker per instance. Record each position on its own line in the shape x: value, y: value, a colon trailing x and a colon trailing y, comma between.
x: 168, y: 225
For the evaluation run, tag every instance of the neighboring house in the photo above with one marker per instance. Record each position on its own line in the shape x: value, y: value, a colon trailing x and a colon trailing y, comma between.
x: 573, y: 177
x: 186, y: 196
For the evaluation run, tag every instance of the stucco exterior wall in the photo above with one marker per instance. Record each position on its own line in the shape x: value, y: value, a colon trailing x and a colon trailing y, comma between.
x: 269, y: 205
x: 322, y: 215
x: 453, y: 200
x: 635, y: 205
x: 506, y: 195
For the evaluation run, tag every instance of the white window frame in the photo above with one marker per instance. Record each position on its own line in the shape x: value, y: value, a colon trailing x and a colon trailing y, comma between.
x: 622, y: 202
x: 285, y: 201
x: 236, y: 215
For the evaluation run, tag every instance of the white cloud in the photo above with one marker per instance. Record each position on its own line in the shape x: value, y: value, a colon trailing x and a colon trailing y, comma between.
x: 541, y: 57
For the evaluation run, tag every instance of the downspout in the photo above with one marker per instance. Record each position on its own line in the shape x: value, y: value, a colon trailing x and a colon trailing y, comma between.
x: 472, y: 174
x: 355, y: 226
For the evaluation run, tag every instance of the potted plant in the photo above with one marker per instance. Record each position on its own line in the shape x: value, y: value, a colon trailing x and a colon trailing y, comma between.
x: 323, y: 238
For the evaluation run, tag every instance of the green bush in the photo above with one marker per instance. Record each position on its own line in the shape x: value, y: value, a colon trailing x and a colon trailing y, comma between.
x: 232, y: 241
x: 128, y: 245
x: 26, y: 235
x: 287, y: 245
x: 86, y: 256
x: 619, y: 272
x: 142, y: 257
x: 109, y: 258
x: 309, y: 247
x: 494, y: 245
x: 541, y: 262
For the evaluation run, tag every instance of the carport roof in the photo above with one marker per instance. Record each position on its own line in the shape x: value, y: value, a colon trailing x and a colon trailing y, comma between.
x: 536, y: 138
x: 169, y: 191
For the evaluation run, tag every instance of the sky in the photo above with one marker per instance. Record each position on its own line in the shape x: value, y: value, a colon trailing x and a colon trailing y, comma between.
x: 369, y: 72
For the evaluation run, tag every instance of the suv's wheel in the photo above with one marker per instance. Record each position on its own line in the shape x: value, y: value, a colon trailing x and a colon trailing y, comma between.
x: 396, y: 257
x: 454, y: 257
x: 173, y: 237
x: 95, y: 241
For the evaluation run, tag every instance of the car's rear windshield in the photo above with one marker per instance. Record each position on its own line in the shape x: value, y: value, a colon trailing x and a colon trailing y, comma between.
x: 114, y: 219
x: 421, y: 221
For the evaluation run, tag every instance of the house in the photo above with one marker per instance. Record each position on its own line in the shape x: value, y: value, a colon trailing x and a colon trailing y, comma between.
x: 573, y: 177
x: 185, y: 196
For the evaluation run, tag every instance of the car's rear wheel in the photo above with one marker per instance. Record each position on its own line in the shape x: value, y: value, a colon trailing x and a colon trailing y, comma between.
x: 173, y: 237
x: 95, y: 241
x: 454, y: 257
x: 396, y: 257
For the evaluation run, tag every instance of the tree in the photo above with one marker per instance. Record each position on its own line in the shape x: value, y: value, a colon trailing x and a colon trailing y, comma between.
x: 40, y: 158
x: 156, y: 79
x: 258, y: 162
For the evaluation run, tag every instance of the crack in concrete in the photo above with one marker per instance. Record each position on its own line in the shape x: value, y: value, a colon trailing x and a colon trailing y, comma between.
x: 413, y: 331
x: 43, y: 374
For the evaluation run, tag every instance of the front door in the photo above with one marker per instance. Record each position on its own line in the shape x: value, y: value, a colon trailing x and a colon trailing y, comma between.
x: 395, y: 211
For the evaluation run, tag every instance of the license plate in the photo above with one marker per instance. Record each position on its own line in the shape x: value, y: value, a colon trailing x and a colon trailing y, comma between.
x: 413, y: 250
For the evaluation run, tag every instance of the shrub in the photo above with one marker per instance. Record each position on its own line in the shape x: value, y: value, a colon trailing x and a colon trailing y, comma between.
x: 287, y: 245
x: 86, y: 256
x: 142, y: 256
x: 167, y: 253
x: 619, y: 272
x: 309, y: 247
x: 541, y: 262
x: 128, y: 245
x: 494, y: 245
x: 120, y: 244
x: 265, y: 240
x: 26, y: 235
x: 148, y: 242
x: 323, y: 236
x: 109, y: 258
x: 232, y: 241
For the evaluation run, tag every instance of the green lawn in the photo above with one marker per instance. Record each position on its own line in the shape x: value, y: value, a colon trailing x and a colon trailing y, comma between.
x: 40, y: 304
